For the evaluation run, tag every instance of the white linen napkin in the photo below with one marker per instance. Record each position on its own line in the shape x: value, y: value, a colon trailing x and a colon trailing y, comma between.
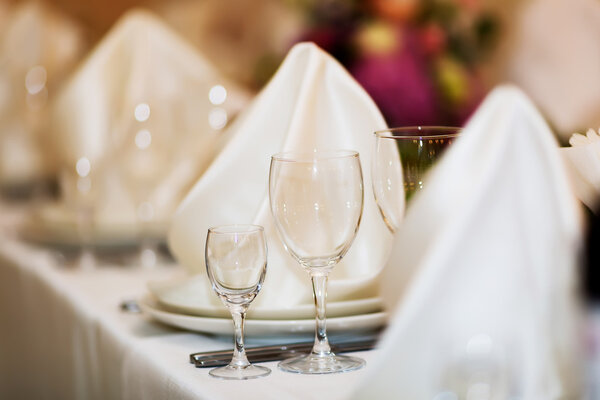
x: 38, y: 46
x: 143, y: 78
x: 482, y: 272
x: 311, y: 103
x: 583, y: 161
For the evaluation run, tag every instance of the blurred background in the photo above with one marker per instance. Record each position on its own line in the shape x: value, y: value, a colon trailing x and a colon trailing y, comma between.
x: 426, y: 62
x: 422, y: 61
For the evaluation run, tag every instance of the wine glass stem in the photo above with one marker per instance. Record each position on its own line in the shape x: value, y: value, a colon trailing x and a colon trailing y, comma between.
x: 239, y: 354
x: 84, y: 227
x: 319, y: 283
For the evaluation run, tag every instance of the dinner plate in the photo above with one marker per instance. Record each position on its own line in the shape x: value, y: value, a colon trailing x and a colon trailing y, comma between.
x: 54, y: 225
x: 188, y: 296
x: 261, y: 327
x: 302, y: 311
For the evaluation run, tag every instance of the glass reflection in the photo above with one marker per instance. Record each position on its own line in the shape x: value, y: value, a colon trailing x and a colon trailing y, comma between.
x: 143, y: 139
x: 35, y: 80
x: 83, y: 167
x: 142, y: 112
x: 217, y: 118
x: 217, y: 95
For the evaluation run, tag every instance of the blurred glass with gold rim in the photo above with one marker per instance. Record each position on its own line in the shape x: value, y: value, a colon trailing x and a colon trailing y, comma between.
x: 402, y: 158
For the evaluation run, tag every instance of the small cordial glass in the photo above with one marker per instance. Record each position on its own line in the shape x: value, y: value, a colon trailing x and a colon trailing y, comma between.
x: 236, y: 263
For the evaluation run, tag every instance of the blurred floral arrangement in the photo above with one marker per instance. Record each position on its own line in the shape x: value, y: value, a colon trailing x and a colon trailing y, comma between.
x: 418, y: 59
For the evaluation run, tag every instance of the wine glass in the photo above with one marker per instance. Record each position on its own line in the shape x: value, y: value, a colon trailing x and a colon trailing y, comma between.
x: 147, y: 151
x: 402, y: 158
x: 317, y: 201
x: 81, y: 188
x: 236, y: 263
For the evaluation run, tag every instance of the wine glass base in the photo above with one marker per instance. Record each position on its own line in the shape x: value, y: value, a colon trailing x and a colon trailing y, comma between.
x: 325, y: 364
x: 239, y: 373
x: 85, y: 260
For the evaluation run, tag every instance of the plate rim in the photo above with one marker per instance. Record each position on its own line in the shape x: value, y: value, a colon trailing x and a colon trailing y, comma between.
x: 375, y: 304
x: 255, y: 327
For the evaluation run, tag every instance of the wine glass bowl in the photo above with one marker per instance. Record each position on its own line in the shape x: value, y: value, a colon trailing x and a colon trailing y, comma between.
x: 236, y: 264
x: 317, y: 221
x: 401, y: 160
x: 316, y: 200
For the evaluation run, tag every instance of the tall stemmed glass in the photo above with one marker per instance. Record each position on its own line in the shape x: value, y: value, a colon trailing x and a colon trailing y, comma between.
x: 147, y: 150
x: 80, y: 192
x: 236, y: 262
x: 317, y: 202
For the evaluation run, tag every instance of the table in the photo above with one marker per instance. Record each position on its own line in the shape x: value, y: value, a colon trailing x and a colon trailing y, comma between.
x: 64, y: 336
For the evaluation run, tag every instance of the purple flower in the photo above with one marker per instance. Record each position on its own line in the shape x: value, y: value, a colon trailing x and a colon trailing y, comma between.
x: 400, y: 84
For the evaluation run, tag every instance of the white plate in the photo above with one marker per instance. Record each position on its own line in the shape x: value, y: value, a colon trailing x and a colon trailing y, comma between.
x: 259, y: 327
x: 189, y: 296
x: 54, y: 225
x: 303, y: 311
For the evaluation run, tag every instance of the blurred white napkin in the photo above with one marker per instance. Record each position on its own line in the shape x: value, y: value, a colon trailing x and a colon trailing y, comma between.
x: 311, y: 103
x: 483, y: 271
x: 38, y: 46
x: 583, y: 160
x: 143, y: 87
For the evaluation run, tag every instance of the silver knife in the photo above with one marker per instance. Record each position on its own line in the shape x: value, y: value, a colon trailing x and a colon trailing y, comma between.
x: 276, y: 352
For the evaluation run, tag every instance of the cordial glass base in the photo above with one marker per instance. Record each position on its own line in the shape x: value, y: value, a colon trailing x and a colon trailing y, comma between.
x: 321, y: 364
x: 240, y: 373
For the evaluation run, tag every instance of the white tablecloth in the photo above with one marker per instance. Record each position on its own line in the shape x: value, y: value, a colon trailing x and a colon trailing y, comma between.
x: 63, y: 336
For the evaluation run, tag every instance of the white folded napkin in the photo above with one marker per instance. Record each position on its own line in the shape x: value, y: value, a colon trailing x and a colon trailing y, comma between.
x: 583, y: 161
x: 38, y: 46
x: 482, y: 275
x: 143, y: 85
x: 311, y: 103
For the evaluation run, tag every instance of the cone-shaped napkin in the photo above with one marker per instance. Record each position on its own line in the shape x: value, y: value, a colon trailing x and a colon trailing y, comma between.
x: 583, y: 160
x: 38, y: 46
x: 143, y: 92
x: 482, y: 273
x: 311, y: 103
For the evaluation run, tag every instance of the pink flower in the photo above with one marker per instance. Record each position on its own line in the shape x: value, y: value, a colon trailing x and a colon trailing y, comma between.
x: 399, y: 83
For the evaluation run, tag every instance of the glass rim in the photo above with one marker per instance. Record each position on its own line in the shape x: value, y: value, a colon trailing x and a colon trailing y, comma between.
x: 236, y: 228
x: 310, y: 156
x: 411, y: 132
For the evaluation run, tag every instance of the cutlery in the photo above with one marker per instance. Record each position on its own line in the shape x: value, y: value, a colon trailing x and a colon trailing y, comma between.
x: 276, y: 352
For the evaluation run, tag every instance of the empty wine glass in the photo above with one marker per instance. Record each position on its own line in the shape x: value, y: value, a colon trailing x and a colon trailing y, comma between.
x: 146, y: 154
x: 402, y: 158
x: 236, y: 262
x: 80, y: 191
x: 317, y: 201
